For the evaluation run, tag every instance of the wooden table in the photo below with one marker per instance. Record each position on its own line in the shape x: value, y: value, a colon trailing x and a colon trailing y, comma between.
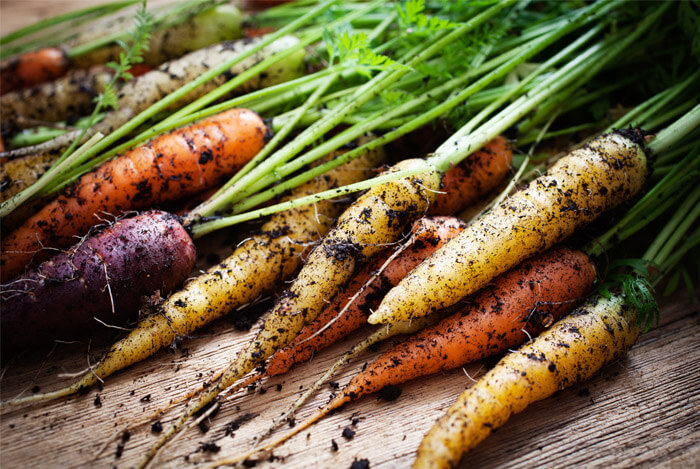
x: 643, y: 410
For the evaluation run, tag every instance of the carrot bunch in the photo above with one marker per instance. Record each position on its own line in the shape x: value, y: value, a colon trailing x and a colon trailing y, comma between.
x: 170, y: 167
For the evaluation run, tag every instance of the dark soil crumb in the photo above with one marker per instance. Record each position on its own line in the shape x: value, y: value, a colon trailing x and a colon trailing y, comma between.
x: 204, y: 426
x: 262, y: 390
x: 360, y: 464
x: 234, y: 425
x: 334, y: 446
x: 334, y: 384
x: 244, y: 320
x: 354, y: 421
x: 491, y: 362
x: 97, y: 401
x: 584, y: 392
x: 249, y: 463
x: 35, y: 389
x: 348, y: 433
x: 157, y: 427
x: 279, y: 387
x: 390, y: 392
x: 146, y: 398
x: 120, y: 450
x: 209, y: 447
x: 126, y: 436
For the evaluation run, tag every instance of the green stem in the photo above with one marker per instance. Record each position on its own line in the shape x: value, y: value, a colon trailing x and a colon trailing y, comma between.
x: 175, y: 96
x: 96, y: 11
x: 210, y: 206
x: 522, y: 54
x: 679, y: 129
x: 586, y: 65
x: 656, y: 121
x: 201, y: 229
x: 653, y: 204
x: 640, y: 114
x: 679, y: 253
x: 173, y: 16
x: 674, y: 230
x: 532, y: 136
x: 365, y: 93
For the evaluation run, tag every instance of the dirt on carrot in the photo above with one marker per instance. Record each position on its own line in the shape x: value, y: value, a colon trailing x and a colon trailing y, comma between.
x: 169, y: 167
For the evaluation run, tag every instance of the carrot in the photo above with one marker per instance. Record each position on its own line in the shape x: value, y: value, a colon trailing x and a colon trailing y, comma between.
x: 473, y: 178
x: 214, y: 25
x: 427, y: 235
x: 33, y: 68
x: 170, y: 167
x: 571, y: 351
x: 254, y: 268
x: 221, y: 23
x: 578, y: 188
x: 360, y: 296
x: 103, y: 277
x: 530, y: 296
x: 145, y: 90
x: 376, y: 218
x: 69, y: 97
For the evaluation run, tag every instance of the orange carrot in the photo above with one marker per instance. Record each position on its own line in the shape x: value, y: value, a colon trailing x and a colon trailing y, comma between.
x: 33, y: 68
x: 428, y: 235
x: 531, y: 296
x: 169, y: 167
x: 473, y: 178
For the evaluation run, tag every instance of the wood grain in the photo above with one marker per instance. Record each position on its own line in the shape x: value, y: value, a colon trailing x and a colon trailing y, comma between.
x: 642, y: 411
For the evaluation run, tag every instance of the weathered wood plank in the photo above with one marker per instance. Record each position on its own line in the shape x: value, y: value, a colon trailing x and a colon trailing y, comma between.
x: 643, y: 410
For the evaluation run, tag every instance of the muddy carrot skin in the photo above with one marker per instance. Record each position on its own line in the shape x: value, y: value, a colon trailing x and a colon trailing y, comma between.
x: 571, y: 351
x: 474, y: 177
x: 33, y: 68
x: 527, y: 298
x: 576, y: 190
x: 255, y: 267
x: 221, y: 23
x: 104, y: 276
x: 66, y: 98
x: 169, y: 167
x: 428, y: 234
x: 376, y: 218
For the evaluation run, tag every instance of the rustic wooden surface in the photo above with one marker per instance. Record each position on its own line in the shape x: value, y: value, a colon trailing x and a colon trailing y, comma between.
x: 641, y: 411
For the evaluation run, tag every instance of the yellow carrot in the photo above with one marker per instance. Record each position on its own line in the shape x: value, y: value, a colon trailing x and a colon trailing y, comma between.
x: 578, y: 188
x: 572, y: 350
